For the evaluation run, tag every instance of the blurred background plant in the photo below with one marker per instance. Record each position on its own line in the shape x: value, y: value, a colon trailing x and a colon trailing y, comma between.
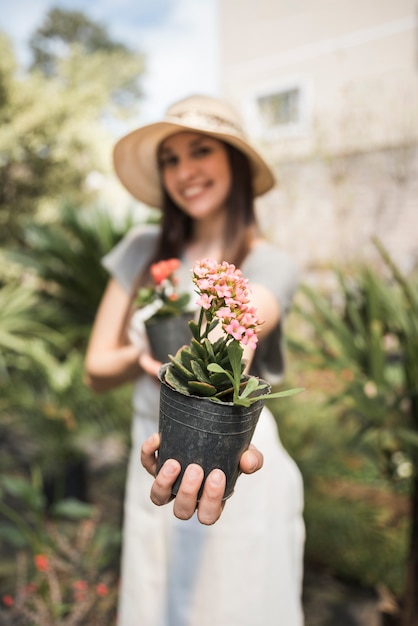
x: 356, y: 353
x: 65, y: 562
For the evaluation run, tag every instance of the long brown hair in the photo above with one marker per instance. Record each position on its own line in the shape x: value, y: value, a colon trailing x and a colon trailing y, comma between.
x: 241, y: 225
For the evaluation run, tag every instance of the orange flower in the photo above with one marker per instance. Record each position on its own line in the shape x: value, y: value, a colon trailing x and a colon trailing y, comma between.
x: 163, y: 269
x: 41, y: 562
x: 8, y: 600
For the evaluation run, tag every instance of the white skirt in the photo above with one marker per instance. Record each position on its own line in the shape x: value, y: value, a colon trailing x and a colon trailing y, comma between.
x: 245, y: 570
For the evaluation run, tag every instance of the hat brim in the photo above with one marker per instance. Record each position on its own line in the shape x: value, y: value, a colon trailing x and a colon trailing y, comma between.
x: 135, y: 160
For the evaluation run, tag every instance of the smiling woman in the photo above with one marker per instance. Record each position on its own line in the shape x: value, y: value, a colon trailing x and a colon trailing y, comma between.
x: 196, y: 174
x: 179, y: 567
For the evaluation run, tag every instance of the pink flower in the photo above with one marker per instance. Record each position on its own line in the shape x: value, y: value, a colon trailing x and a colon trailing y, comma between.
x: 224, y: 313
x: 235, y: 329
x: 8, y: 600
x: 250, y: 338
x: 205, y: 301
x: 224, y: 293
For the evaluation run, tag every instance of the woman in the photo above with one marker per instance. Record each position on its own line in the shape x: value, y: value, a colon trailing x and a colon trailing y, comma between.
x: 182, y: 569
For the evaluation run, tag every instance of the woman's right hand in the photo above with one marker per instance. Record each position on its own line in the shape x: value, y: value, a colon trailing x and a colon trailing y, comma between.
x: 210, y: 505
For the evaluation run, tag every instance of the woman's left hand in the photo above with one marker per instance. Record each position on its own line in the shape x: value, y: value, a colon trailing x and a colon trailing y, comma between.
x: 210, y: 505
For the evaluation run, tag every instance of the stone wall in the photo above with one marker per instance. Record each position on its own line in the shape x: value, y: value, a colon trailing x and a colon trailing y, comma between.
x: 326, y: 210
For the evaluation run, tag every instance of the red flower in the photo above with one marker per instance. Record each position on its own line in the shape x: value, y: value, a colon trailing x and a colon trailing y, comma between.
x: 29, y: 588
x: 80, y: 585
x: 8, y: 600
x: 102, y: 589
x: 41, y: 562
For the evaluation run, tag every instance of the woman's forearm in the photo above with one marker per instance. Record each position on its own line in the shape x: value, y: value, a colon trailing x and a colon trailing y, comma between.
x: 107, y: 370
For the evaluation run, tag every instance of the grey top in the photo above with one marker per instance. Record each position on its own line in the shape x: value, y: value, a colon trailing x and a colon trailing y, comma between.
x: 266, y: 265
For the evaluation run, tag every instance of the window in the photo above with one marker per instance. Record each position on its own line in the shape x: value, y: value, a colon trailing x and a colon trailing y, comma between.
x: 283, y: 109
x: 280, y: 108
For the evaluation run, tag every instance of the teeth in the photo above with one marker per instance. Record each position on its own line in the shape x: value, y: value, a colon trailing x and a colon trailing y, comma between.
x: 192, y: 191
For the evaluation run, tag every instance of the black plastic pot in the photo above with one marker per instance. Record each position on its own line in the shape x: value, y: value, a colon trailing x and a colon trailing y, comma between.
x: 69, y: 481
x: 167, y: 334
x: 199, y: 430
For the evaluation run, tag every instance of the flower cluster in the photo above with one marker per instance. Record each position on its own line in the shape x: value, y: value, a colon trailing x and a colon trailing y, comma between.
x: 161, y: 298
x: 224, y: 293
x: 55, y: 595
x: 215, y: 368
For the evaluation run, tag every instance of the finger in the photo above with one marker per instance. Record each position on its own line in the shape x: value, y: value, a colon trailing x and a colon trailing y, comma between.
x: 161, y: 488
x: 210, y: 504
x: 251, y: 461
x: 186, y: 499
x: 148, y: 450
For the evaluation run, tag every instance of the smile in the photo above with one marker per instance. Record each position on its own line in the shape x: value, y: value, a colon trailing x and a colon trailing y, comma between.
x: 191, y: 192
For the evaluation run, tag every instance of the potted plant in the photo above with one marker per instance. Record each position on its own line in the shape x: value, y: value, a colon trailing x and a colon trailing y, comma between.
x: 163, y: 311
x: 209, y: 406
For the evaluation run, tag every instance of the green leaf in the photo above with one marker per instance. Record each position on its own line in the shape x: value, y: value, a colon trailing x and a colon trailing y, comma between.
x: 209, y: 348
x: 281, y: 394
x: 252, y: 385
x: 73, y: 509
x: 186, y: 356
x: 21, y: 488
x: 183, y: 371
x: 198, y: 348
x: 407, y: 436
x: 176, y: 382
x: 200, y: 373
x: 194, y: 329
x: 203, y: 389
x: 12, y: 536
x: 215, y: 367
x: 235, y: 356
x: 218, y: 369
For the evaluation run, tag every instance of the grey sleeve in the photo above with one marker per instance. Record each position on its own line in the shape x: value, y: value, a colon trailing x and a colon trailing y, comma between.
x: 276, y: 270
x: 129, y: 257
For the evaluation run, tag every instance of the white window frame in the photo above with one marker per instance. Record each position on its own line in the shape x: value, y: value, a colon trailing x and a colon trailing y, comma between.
x: 271, y: 133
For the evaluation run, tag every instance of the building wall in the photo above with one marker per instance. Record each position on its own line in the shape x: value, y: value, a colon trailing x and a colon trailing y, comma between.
x: 347, y: 165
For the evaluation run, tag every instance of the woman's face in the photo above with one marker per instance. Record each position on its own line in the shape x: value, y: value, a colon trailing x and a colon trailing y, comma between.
x: 195, y: 173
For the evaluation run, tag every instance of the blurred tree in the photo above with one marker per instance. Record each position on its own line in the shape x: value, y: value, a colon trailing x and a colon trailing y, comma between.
x: 62, y: 31
x: 53, y: 129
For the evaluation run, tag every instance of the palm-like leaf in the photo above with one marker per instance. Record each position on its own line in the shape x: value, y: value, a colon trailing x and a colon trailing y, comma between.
x: 67, y: 258
x: 372, y: 341
x: 22, y: 334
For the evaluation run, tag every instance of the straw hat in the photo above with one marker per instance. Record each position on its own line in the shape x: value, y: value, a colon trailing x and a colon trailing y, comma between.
x: 135, y: 155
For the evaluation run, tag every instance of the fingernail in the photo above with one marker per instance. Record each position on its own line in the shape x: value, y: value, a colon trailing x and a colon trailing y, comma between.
x: 193, y: 472
x: 169, y: 468
x: 216, y: 477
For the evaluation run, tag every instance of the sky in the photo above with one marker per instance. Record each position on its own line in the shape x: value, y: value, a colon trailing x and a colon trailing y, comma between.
x: 178, y: 37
